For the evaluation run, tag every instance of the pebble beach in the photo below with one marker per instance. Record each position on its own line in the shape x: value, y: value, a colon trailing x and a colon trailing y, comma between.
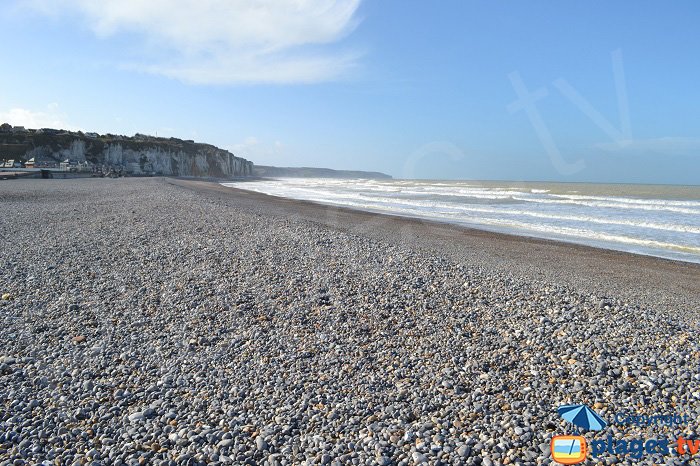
x: 170, y: 322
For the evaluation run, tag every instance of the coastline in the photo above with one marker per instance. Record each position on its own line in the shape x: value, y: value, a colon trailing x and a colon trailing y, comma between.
x: 660, y: 221
x: 651, y: 281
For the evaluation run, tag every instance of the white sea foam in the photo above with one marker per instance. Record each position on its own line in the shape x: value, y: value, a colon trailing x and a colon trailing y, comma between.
x: 662, y: 221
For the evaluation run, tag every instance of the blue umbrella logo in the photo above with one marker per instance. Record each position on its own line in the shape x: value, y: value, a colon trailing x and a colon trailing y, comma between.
x: 582, y: 416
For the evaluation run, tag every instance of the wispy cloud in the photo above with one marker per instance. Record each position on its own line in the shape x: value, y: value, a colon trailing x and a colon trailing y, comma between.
x: 663, y: 146
x: 227, y: 41
x: 51, y: 117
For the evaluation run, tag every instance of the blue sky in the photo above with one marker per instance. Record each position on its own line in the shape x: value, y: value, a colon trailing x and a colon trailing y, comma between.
x: 414, y: 89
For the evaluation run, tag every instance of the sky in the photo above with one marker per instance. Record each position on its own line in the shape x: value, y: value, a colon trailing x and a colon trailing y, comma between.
x: 541, y: 90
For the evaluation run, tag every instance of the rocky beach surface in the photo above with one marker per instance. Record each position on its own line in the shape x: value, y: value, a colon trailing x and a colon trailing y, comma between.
x: 156, y: 321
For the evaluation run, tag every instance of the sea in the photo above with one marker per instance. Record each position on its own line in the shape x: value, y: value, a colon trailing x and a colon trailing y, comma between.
x: 655, y: 220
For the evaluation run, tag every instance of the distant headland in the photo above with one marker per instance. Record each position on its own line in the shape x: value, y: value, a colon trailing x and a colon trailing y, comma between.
x: 310, y: 172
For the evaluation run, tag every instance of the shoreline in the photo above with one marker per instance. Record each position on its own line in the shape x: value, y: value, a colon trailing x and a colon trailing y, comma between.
x: 652, y: 281
x: 472, y: 226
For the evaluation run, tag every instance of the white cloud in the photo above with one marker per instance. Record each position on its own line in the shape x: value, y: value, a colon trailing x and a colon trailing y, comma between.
x: 664, y: 145
x: 51, y: 117
x: 227, y: 41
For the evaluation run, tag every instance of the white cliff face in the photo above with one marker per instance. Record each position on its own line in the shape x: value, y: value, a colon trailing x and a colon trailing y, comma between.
x: 153, y: 159
x: 113, y: 155
x: 76, y: 151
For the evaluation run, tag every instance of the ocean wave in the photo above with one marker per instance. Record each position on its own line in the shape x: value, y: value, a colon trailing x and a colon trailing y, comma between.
x: 629, y: 200
x: 615, y: 205
x: 582, y: 233
x: 651, y: 224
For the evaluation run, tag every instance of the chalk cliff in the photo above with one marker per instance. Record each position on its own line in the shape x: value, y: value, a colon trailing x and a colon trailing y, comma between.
x: 137, y: 155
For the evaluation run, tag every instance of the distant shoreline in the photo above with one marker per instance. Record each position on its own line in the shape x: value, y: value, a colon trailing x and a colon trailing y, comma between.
x: 315, y: 172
